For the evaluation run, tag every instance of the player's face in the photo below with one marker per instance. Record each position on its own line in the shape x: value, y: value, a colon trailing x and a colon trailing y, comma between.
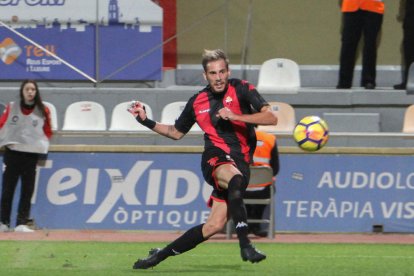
x: 29, y: 92
x: 217, y: 75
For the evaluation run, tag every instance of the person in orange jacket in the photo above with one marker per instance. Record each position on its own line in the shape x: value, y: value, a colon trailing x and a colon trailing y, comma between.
x: 360, y: 17
x: 265, y: 154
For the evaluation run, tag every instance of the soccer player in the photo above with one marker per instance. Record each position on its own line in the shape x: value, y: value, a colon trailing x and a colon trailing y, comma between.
x: 226, y: 110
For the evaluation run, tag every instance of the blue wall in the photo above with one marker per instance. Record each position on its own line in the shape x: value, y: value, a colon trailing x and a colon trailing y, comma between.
x: 166, y: 191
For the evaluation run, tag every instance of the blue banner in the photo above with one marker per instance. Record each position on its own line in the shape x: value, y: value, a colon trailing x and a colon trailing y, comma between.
x: 345, y: 193
x: 121, y: 191
x: 117, y: 40
x: 154, y: 191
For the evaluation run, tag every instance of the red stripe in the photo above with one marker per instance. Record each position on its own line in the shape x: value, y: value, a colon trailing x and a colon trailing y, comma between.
x: 203, y: 119
x: 211, y: 199
x: 240, y: 127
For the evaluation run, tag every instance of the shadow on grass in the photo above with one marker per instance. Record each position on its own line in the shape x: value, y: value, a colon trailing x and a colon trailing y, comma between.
x: 197, y: 269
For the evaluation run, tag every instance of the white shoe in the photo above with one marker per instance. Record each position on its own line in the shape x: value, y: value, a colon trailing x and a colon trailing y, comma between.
x: 23, y: 229
x: 4, y: 227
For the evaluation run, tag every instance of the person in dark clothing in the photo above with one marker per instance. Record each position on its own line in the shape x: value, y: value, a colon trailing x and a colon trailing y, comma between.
x: 266, y: 154
x: 226, y: 110
x: 407, y: 13
x: 359, y: 18
x: 25, y: 130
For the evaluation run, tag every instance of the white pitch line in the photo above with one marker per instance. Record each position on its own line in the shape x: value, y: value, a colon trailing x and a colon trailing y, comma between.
x: 322, y: 256
x: 347, y: 257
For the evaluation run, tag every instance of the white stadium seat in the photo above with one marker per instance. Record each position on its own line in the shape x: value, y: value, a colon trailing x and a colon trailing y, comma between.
x: 286, y: 118
x: 408, y: 124
x: 122, y: 120
x: 171, y: 111
x: 279, y: 75
x: 85, y: 115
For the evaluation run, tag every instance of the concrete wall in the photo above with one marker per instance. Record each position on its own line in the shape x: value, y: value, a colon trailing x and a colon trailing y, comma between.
x: 390, y: 104
x: 305, y: 31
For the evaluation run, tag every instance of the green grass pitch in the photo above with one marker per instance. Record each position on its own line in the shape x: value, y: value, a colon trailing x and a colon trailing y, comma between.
x: 111, y: 258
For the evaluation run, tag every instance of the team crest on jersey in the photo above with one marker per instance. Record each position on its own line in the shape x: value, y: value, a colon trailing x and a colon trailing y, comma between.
x: 229, y: 101
x: 35, y: 123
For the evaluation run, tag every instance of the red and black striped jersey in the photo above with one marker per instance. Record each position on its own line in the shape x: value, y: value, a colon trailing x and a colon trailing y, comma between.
x: 236, y: 138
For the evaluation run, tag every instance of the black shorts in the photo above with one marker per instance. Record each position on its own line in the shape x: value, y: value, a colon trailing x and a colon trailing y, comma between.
x: 211, y: 159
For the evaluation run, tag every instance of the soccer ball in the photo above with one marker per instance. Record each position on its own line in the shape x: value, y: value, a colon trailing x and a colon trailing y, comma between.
x: 311, y: 133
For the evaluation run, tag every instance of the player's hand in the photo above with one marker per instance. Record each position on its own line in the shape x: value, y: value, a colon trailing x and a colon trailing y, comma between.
x: 225, y: 114
x: 136, y: 108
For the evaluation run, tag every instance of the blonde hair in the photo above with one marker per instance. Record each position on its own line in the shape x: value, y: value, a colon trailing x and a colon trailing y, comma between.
x: 213, y: 55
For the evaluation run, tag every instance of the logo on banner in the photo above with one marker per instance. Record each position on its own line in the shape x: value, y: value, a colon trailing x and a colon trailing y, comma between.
x: 33, y: 2
x: 9, y: 51
x: 139, y: 196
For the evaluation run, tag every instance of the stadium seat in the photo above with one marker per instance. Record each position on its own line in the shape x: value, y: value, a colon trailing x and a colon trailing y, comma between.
x: 286, y: 118
x: 408, y: 125
x: 85, y: 115
x: 53, y: 115
x: 278, y: 76
x: 122, y: 120
x: 171, y: 111
x: 259, y: 176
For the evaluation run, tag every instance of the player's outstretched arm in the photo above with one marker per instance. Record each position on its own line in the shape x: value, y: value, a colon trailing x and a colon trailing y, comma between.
x: 168, y: 131
x: 137, y: 109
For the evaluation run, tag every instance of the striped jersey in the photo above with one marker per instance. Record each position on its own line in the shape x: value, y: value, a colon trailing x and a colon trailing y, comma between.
x: 236, y: 138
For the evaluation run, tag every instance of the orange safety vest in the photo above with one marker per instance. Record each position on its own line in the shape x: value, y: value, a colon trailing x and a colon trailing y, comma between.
x: 376, y: 6
x: 263, y: 154
x: 264, y: 146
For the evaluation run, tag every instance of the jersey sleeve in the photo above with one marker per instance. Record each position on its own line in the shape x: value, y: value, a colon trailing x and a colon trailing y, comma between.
x: 253, y: 97
x: 47, y: 126
x: 187, y: 118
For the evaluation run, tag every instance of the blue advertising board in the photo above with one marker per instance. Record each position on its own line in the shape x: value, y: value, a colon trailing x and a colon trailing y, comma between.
x: 105, y: 40
x: 166, y: 191
x: 345, y: 193
x: 121, y: 191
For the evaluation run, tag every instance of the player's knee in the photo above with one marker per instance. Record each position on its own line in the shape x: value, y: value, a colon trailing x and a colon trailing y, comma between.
x: 237, y: 186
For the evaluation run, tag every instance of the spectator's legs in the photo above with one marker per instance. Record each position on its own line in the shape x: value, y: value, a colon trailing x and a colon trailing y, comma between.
x: 372, y: 27
x: 351, y: 34
x: 10, y: 179
x: 28, y: 178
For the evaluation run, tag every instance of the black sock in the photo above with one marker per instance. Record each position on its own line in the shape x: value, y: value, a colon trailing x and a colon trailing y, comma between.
x: 237, y: 209
x: 187, y: 241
